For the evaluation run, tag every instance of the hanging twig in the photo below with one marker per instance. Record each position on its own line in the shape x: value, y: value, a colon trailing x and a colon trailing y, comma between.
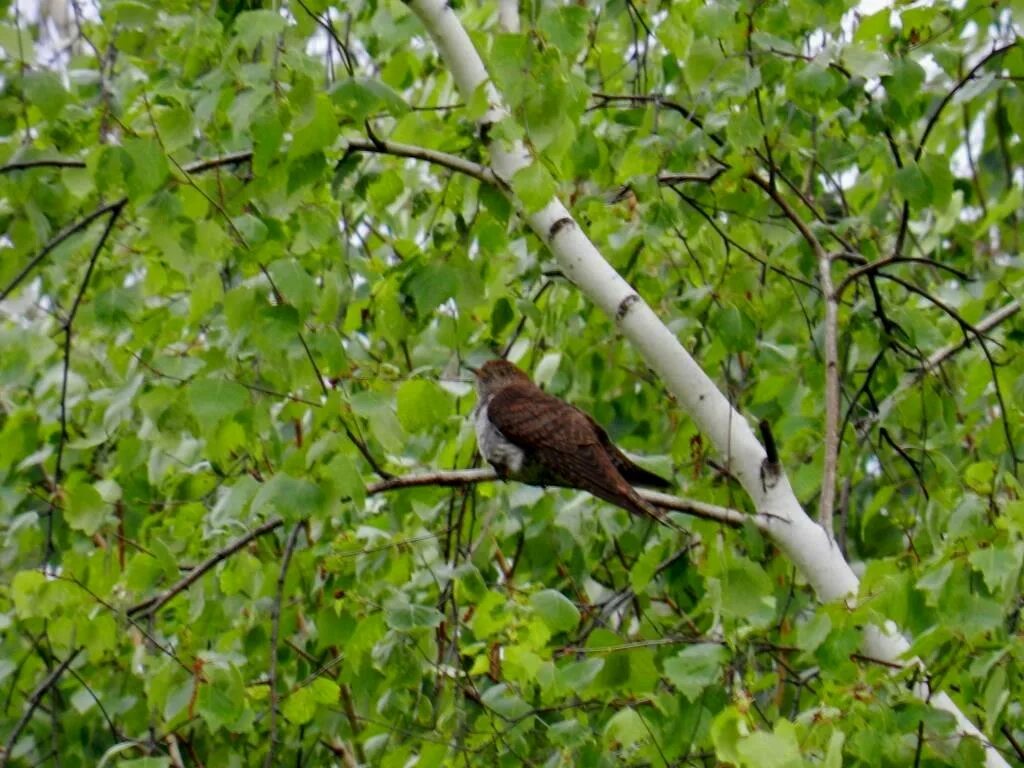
x: 33, y: 701
x: 68, y: 325
x: 275, y: 623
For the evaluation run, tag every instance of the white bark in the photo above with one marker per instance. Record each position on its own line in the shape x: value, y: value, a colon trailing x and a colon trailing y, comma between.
x: 508, y: 15
x: 806, y: 543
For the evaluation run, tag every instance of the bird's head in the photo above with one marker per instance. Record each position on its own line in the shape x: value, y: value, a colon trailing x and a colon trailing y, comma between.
x: 495, y: 374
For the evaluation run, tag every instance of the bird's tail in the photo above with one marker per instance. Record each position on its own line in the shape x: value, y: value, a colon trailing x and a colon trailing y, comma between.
x: 631, y: 501
x: 635, y: 474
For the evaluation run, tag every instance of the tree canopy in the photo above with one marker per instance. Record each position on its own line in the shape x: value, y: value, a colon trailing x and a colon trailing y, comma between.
x: 248, y: 252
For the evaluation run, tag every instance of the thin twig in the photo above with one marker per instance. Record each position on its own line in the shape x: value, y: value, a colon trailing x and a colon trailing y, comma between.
x: 275, y: 623
x: 934, y: 117
x: 379, y: 146
x: 71, y: 229
x: 68, y: 323
x: 56, y: 240
x: 153, y: 604
x: 33, y: 701
x: 876, y: 265
x: 942, y: 354
x: 329, y: 29
x: 443, y: 479
x: 827, y: 497
x: 23, y: 165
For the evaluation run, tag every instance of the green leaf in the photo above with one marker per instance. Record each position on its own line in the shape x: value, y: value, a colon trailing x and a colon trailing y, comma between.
x: 405, y: 616
x: 175, y: 128
x: 566, y: 29
x: 251, y: 27
x: 911, y: 182
x: 865, y: 62
x: 147, y: 167
x: 625, y: 728
x: 904, y: 84
x: 980, y: 476
x: 811, y: 634
x: 430, y: 286
x: 940, y: 179
x: 747, y: 594
x: 44, y: 90
x: 325, y: 691
x: 422, y: 405
x: 216, y: 705
x: 780, y: 749
x: 213, y: 400
x: 505, y: 702
x: 294, y: 283
x: 735, y: 328
x: 576, y: 676
x: 300, y: 707
x: 676, y: 34
x: 316, y: 131
x: 533, y: 186
x: 555, y: 609
x: 359, y: 97
x: 695, y: 668
x: 292, y: 497
x: 145, y: 762
x: 85, y: 509
x: 999, y: 566
x: 24, y: 589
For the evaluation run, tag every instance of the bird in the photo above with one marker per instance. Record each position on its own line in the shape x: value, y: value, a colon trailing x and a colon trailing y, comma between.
x: 533, y: 437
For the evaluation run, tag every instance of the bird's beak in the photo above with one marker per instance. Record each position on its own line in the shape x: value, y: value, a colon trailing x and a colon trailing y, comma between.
x: 471, y: 369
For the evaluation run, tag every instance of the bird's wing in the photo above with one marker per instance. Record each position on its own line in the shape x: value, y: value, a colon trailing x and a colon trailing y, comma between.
x: 565, y: 440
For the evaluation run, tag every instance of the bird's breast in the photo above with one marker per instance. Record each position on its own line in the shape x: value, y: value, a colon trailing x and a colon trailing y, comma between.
x: 500, y: 452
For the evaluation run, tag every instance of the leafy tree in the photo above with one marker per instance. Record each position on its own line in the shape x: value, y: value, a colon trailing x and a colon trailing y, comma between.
x: 247, y: 249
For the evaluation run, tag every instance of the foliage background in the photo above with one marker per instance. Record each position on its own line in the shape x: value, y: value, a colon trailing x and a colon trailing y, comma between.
x: 244, y: 351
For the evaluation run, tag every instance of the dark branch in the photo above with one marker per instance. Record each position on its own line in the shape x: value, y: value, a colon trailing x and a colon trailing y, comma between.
x: 933, y: 119
x: 275, y: 632
x: 57, y: 239
x: 33, y: 701
x: 154, y: 604
x: 68, y: 329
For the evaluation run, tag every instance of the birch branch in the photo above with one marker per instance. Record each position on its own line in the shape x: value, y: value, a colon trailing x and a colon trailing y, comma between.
x: 827, y: 497
x: 441, y: 479
x: 939, y: 356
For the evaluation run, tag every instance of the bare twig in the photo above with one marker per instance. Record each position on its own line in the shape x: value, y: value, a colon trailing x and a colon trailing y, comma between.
x: 33, y: 701
x: 57, y: 162
x: 826, y: 500
x: 885, y: 261
x: 71, y: 229
x: 56, y: 240
x: 461, y: 477
x: 934, y: 117
x: 353, y: 720
x: 68, y: 324
x: 275, y: 622
x: 942, y: 354
x: 444, y: 479
x: 155, y: 603
x: 325, y: 23
x: 234, y: 158
x: 379, y: 146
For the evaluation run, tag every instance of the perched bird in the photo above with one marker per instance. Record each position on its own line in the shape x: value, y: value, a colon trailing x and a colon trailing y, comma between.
x: 535, y: 438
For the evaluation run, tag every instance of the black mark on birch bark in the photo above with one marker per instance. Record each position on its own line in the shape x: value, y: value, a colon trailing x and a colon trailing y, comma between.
x: 558, y: 226
x: 625, y: 305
